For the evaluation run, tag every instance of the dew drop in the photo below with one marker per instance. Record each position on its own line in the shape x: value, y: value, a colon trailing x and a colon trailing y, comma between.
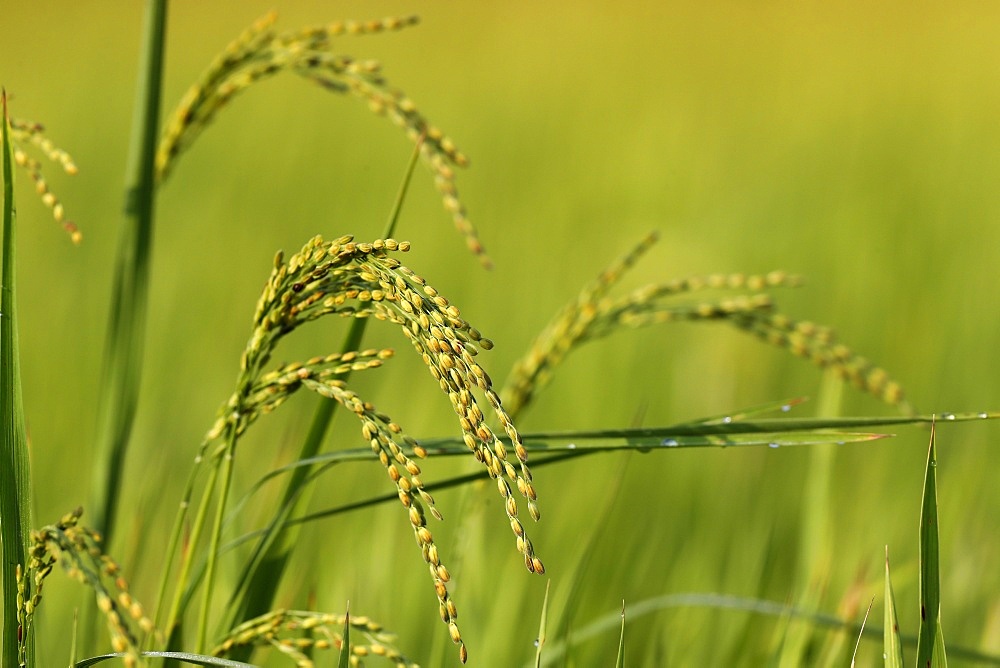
x: 726, y: 420
x: 670, y: 442
x: 786, y: 408
x: 773, y: 445
x: 840, y: 442
x: 536, y: 643
x: 983, y: 416
x: 571, y: 446
x: 947, y: 416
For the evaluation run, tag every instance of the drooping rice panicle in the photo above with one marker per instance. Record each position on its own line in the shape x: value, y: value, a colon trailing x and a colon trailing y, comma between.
x: 78, y: 550
x: 361, y: 280
x: 593, y: 314
x: 27, y: 132
x: 286, y: 629
x: 260, y: 52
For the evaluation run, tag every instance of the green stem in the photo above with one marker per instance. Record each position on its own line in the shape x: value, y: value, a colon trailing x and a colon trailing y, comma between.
x: 127, y: 324
x: 216, y: 539
x: 173, y: 618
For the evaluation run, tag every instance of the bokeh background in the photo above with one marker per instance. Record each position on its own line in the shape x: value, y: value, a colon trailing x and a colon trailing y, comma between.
x: 856, y: 144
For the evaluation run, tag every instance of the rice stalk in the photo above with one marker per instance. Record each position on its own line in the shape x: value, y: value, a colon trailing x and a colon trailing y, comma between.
x: 124, y: 342
x: 261, y: 52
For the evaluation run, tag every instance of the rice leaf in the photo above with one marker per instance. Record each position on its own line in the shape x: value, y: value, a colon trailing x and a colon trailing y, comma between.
x: 611, y: 620
x: 540, y: 641
x: 892, y: 645
x: 15, y: 473
x: 929, y: 651
x: 345, y: 646
x: 186, y: 657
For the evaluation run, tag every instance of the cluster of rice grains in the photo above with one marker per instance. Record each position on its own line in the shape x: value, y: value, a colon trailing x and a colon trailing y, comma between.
x: 296, y: 632
x: 261, y: 52
x: 362, y: 280
x: 26, y: 132
x: 593, y: 314
x: 78, y: 550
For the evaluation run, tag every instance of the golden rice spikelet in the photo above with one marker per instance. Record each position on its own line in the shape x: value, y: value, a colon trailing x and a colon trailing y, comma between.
x: 261, y: 52
x: 27, y: 132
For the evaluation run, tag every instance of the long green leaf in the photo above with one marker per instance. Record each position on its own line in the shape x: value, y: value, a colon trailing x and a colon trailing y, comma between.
x: 186, y: 657
x: 15, y: 474
x: 929, y: 651
x: 611, y: 621
x: 127, y: 323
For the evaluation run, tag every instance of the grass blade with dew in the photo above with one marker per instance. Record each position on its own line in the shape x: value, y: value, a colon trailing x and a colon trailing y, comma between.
x: 15, y: 472
x: 567, y: 445
x: 122, y: 365
x: 930, y: 645
x: 264, y: 571
x: 892, y: 645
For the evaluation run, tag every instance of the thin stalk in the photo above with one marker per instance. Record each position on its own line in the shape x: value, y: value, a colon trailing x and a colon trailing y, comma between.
x: 127, y: 323
x: 185, y: 573
x: 15, y: 473
x: 216, y: 538
x: 175, y: 539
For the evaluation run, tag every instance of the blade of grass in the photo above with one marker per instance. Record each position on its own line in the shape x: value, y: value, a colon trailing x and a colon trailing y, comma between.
x: 611, y: 620
x: 864, y: 621
x: 929, y: 652
x: 186, y: 657
x: 345, y: 647
x: 540, y: 641
x: 127, y: 321
x: 892, y: 645
x: 15, y: 473
x: 620, y: 661
x: 255, y: 592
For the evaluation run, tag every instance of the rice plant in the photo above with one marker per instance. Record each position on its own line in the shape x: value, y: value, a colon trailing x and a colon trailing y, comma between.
x: 194, y: 618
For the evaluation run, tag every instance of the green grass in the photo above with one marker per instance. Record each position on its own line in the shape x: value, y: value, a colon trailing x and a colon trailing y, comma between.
x: 790, y: 137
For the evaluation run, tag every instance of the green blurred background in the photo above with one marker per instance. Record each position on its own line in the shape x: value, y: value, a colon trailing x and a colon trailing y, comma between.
x: 854, y: 144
